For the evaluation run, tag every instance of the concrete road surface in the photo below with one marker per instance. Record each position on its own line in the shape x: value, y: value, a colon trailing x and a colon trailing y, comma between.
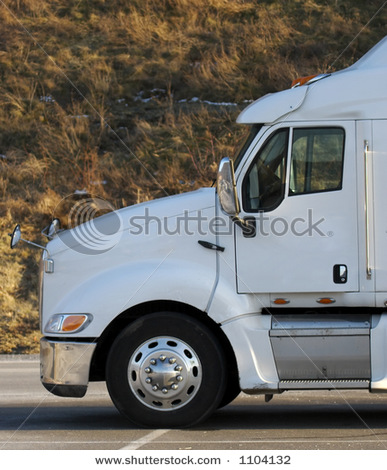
x: 31, y: 418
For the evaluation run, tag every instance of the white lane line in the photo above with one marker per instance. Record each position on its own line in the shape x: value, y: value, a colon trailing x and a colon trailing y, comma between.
x: 145, y: 440
x: 195, y: 445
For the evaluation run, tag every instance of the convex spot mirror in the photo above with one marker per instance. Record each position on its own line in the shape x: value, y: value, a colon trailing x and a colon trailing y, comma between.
x: 15, y: 236
x: 226, y: 187
x: 53, y: 228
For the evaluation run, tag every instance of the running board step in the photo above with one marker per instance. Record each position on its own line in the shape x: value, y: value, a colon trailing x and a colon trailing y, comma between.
x: 323, y: 384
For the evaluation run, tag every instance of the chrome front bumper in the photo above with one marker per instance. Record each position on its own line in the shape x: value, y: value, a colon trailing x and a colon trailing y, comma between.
x: 65, y: 367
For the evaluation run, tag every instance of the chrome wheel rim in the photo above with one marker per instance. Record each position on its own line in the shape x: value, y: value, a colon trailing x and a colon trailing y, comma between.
x: 164, y: 373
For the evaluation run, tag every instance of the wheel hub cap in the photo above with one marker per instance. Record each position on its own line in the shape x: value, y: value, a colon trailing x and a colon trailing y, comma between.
x: 164, y: 373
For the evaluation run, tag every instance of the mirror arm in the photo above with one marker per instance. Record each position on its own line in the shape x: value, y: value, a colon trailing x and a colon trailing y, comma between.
x: 248, y: 226
x: 36, y: 245
x: 238, y: 221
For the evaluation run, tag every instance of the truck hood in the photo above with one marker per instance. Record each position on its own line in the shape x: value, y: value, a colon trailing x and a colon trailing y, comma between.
x: 171, y: 215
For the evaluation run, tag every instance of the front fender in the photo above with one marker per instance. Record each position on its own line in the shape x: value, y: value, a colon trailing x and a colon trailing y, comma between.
x: 107, y: 294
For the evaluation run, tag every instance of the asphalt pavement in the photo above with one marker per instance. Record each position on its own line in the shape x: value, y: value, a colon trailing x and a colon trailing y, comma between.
x: 32, y: 418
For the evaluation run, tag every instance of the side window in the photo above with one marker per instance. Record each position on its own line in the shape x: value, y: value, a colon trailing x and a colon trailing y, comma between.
x: 317, y: 160
x: 264, y: 185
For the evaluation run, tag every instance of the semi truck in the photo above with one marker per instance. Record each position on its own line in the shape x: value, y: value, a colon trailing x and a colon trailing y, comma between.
x: 273, y: 280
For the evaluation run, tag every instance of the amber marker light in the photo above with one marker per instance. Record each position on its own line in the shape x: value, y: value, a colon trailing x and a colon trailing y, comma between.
x: 68, y: 322
x: 73, y: 322
x: 281, y: 301
x: 326, y: 301
x: 302, y: 80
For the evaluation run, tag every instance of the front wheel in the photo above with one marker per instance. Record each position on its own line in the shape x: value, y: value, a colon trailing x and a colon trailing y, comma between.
x: 166, y: 370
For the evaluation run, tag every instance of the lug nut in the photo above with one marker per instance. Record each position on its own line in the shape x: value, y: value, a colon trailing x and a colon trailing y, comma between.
x: 152, y: 362
x: 148, y: 380
x: 162, y: 358
x: 178, y: 368
x: 164, y: 390
x: 155, y: 388
x: 174, y: 386
x: 179, y: 378
x: 147, y: 370
x: 172, y: 360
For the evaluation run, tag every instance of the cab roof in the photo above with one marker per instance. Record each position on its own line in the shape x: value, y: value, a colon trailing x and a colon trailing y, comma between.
x: 357, y: 92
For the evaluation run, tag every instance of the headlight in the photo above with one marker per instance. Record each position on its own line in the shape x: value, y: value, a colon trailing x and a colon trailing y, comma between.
x: 68, y: 323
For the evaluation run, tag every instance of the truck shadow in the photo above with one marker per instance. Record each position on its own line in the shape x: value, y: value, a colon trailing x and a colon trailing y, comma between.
x: 292, y: 416
x: 43, y: 418
x: 233, y: 417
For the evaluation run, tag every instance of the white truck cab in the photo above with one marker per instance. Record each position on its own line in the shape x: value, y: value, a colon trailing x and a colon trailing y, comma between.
x: 275, y: 280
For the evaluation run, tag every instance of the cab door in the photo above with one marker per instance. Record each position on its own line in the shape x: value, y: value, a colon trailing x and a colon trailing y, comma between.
x: 299, y: 188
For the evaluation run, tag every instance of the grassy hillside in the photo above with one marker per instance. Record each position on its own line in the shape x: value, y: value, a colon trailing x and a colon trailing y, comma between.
x: 122, y: 98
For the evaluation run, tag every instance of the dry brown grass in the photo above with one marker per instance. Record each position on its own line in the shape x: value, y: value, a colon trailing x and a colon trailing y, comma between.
x: 73, y: 79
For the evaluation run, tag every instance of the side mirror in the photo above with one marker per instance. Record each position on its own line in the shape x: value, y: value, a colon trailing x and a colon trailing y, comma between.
x: 226, y: 187
x: 228, y: 198
x: 53, y: 228
x: 15, y: 236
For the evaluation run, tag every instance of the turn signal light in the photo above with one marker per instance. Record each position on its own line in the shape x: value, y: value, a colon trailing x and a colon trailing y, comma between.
x: 68, y: 323
x: 73, y: 322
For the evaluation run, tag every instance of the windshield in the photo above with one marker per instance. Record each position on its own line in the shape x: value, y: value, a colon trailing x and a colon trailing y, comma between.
x: 244, y: 142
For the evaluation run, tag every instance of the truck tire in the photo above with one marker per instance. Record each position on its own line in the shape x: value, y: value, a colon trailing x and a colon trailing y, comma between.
x: 166, y: 370
x: 232, y: 391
